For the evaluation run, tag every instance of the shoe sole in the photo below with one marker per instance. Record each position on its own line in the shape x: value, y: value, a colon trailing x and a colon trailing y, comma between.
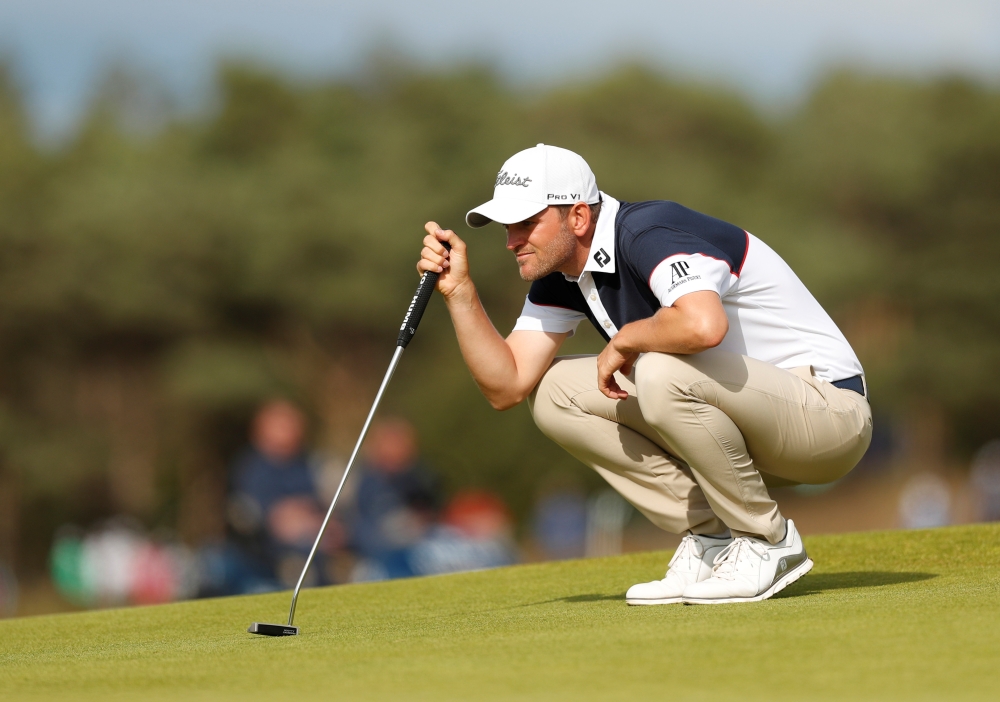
x: 661, y: 601
x: 789, y: 578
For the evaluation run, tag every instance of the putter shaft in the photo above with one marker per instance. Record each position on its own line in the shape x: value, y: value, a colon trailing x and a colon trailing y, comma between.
x: 406, y: 332
x: 354, y: 454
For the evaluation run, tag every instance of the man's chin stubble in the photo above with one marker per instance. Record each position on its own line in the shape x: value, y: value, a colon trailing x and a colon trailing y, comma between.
x: 538, y: 271
x: 563, y: 250
x: 531, y: 275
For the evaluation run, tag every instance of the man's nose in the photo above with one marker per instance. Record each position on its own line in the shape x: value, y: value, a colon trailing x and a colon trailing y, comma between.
x: 514, y: 239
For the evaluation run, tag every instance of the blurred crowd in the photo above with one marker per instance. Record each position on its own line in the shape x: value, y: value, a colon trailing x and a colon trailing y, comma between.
x: 394, y: 520
x: 391, y: 522
x: 928, y: 499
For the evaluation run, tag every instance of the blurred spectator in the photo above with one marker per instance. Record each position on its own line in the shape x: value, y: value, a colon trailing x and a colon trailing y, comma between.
x: 477, y: 514
x: 119, y: 564
x: 925, y: 502
x: 396, y: 502
x: 475, y: 533
x: 985, y: 481
x: 560, y: 524
x: 273, y: 508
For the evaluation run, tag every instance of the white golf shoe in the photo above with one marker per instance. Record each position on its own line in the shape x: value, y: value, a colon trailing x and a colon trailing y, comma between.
x: 750, y: 570
x: 691, y: 562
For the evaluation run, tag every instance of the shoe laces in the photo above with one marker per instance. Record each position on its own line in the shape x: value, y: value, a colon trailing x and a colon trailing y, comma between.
x: 688, y: 549
x: 726, y: 563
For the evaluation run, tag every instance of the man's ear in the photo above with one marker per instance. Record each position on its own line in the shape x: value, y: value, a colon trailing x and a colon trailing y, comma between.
x: 579, y: 218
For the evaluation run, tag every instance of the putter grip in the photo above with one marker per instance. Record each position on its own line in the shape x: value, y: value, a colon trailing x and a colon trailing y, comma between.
x: 425, y: 288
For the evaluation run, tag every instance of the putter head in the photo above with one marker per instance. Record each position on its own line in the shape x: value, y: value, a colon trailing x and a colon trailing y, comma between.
x: 273, y: 629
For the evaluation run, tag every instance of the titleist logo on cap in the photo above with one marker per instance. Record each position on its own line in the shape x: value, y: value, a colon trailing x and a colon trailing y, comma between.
x: 504, y: 179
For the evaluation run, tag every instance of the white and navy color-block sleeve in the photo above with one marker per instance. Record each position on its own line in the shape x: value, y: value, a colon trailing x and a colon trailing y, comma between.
x: 677, y: 262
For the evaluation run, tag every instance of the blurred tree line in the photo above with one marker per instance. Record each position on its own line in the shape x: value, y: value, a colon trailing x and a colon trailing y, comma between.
x: 156, y: 284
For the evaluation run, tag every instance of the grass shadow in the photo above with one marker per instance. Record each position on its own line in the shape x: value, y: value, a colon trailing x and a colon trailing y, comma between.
x: 590, y: 597
x: 809, y: 585
x: 821, y: 582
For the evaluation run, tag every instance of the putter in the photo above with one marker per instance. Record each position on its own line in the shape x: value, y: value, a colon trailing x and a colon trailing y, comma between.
x: 413, y: 314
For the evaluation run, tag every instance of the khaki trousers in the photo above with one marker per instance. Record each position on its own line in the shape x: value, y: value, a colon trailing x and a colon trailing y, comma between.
x: 700, y: 437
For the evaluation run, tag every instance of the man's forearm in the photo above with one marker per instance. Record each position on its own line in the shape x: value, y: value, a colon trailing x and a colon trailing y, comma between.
x: 506, y: 370
x: 673, y: 330
x: 654, y: 334
x: 486, y: 353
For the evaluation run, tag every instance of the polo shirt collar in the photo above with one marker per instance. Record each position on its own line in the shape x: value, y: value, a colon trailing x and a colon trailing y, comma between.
x: 601, y: 258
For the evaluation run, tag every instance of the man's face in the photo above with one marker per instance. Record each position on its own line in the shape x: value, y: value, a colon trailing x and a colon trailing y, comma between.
x: 542, y: 244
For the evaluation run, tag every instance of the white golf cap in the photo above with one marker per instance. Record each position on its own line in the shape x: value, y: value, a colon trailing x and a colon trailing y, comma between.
x: 533, y: 179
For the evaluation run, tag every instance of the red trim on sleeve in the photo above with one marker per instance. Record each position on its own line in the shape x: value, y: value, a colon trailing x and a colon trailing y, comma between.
x: 746, y: 252
x: 541, y: 304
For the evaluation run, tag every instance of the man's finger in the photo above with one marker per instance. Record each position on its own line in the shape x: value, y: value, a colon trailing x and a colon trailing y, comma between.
x: 615, y: 393
x: 424, y: 265
x: 615, y: 390
x: 445, y: 235
x: 609, y: 386
x: 433, y: 242
x: 434, y: 257
x: 435, y: 231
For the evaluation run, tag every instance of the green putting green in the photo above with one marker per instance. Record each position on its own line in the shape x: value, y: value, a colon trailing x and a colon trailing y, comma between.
x: 889, y: 615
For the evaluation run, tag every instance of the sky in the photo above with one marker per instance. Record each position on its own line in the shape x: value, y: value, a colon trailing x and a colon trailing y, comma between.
x: 771, y: 50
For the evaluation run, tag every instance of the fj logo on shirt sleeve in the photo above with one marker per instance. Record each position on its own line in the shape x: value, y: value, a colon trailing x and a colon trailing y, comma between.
x: 678, y: 271
x: 602, y: 258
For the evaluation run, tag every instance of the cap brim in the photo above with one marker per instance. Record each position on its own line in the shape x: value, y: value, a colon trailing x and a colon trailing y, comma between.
x: 502, y: 211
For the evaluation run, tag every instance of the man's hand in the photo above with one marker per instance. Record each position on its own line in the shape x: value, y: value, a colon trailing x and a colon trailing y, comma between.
x: 453, y: 265
x: 611, y: 360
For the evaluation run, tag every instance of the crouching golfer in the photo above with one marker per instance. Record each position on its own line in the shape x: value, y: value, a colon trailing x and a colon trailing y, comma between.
x: 722, y: 374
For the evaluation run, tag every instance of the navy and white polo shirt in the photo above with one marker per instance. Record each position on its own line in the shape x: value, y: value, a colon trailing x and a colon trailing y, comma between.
x: 646, y: 255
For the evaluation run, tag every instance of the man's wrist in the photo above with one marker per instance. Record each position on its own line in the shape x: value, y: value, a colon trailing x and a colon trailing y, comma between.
x: 463, y: 295
x: 624, y: 341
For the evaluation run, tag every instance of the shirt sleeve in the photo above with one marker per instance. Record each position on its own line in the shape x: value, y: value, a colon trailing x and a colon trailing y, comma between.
x: 682, y: 274
x: 548, y: 318
x: 676, y: 263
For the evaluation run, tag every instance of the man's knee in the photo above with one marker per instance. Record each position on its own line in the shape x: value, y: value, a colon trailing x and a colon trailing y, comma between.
x: 658, y: 378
